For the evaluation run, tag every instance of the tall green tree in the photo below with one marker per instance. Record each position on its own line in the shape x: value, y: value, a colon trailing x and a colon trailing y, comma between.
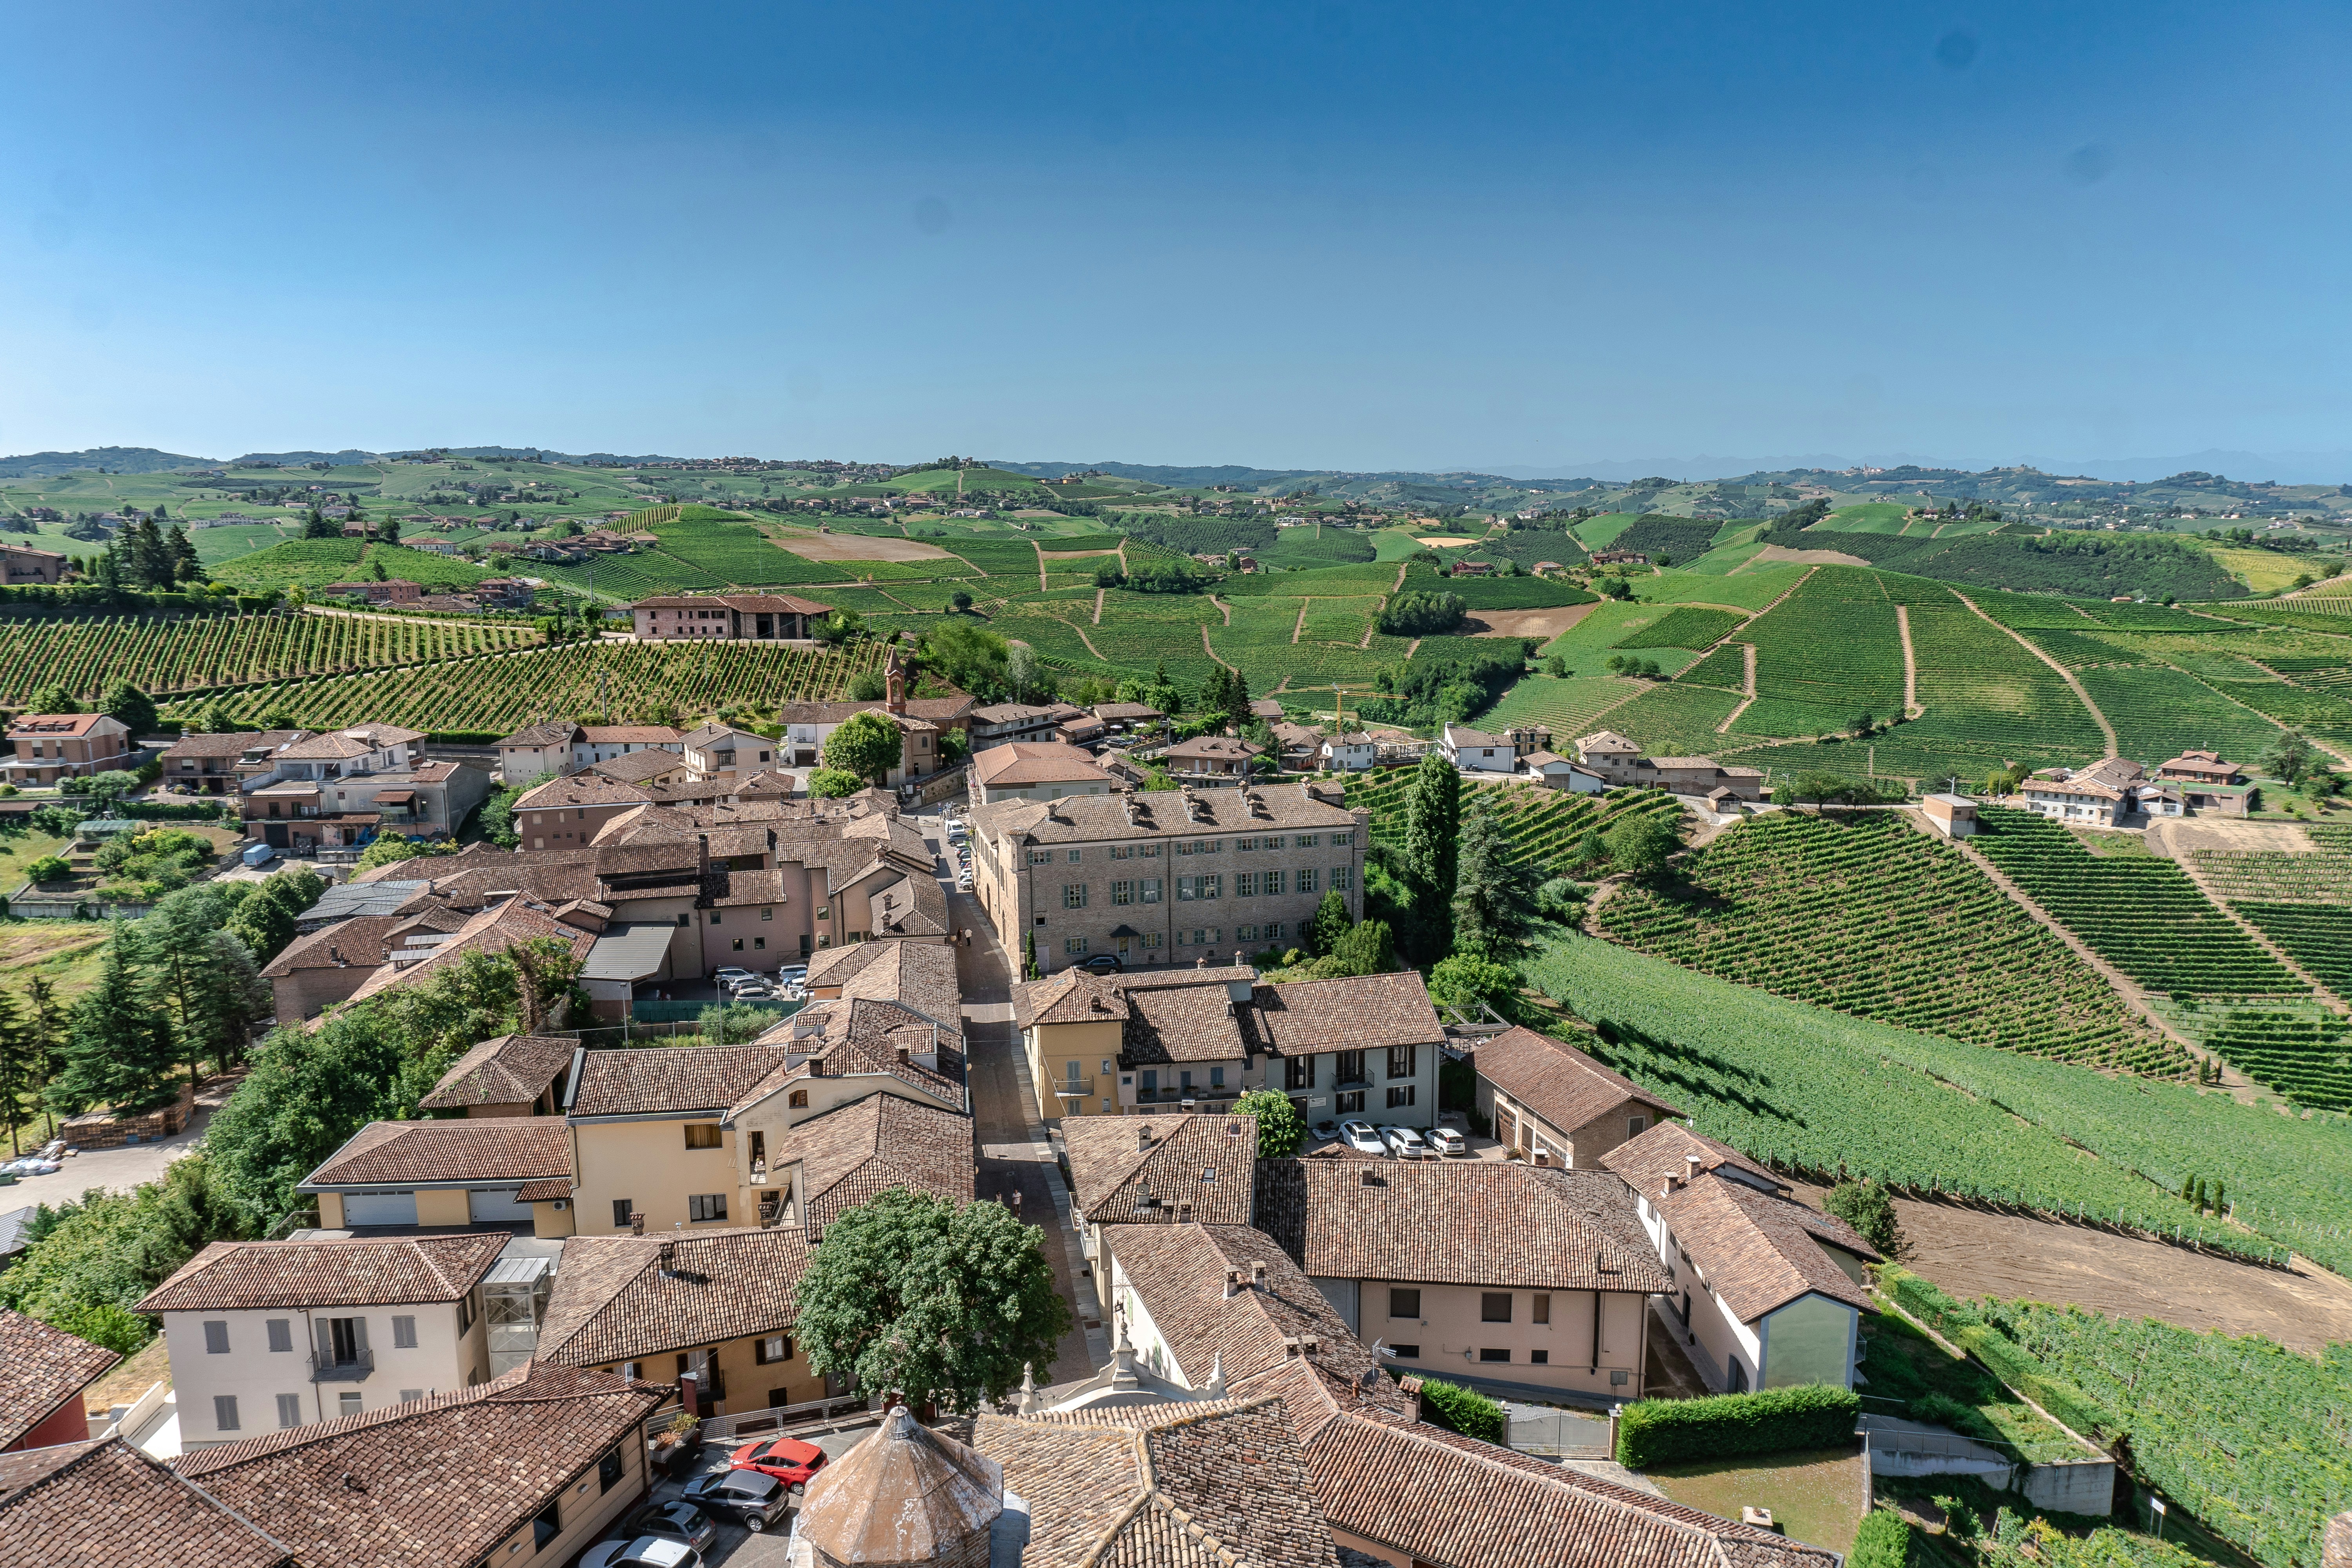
x: 52, y: 699
x: 868, y: 745
x: 131, y: 707
x: 1322, y: 935
x: 1280, y: 1127
x: 45, y: 1020
x: 1237, y: 702
x: 1433, y: 821
x: 1494, y: 896
x: 187, y: 565
x: 1368, y: 949
x: 1639, y: 846
x: 205, y: 976
x: 120, y: 1053
x: 931, y: 1300
x: 16, y: 1080
x: 317, y: 526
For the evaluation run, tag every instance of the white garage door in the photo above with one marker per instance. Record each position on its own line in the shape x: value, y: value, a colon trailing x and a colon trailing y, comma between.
x: 379, y: 1208
x: 495, y: 1203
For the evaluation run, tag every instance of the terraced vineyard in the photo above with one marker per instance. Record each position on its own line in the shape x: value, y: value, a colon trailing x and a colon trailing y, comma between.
x: 1868, y: 916
x: 1828, y: 652
x: 499, y: 693
x: 1980, y: 688
x: 1567, y: 705
x: 2307, y: 1059
x: 2141, y: 913
x: 165, y: 656
x: 1690, y: 627
x: 2301, y: 903
x: 1544, y: 826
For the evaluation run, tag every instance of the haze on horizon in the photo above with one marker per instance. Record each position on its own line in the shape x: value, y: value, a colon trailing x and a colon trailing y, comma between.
x: 1368, y: 236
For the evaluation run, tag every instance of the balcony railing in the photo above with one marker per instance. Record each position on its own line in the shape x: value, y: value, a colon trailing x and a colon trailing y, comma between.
x: 1072, y: 1088
x: 1170, y: 1096
x: 355, y: 1369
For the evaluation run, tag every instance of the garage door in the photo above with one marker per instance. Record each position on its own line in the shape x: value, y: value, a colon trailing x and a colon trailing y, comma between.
x: 379, y: 1208
x: 495, y: 1204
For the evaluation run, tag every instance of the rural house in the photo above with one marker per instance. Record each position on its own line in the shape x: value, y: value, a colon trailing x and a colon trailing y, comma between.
x: 1553, y: 1105
x: 761, y: 617
x: 53, y: 746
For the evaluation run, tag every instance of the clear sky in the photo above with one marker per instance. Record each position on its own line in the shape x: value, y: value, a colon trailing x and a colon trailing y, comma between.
x: 1282, y: 232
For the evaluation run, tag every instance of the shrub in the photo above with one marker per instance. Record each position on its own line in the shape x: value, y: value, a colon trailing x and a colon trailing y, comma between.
x: 1279, y: 1128
x: 827, y: 783
x: 1882, y: 1542
x: 1867, y: 1208
x: 1463, y: 1410
x: 47, y: 869
x: 1663, y: 1431
x: 1422, y: 614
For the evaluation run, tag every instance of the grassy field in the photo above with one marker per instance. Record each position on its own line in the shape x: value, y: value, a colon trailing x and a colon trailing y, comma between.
x: 2262, y: 571
x: 1867, y: 517
x: 1868, y: 915
x: 1815, y: 1496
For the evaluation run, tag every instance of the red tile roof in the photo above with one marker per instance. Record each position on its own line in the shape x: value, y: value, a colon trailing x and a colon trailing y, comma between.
x: 1558, y: 1082
x: 1179, y: 1271
x: 235, y: 1275
x: 475, y: 1149
x: 1118, y: 1162
x: 883, y: 1140
x: 40, y: 1369
x: 1477, y: 1223
x: 513, y: 1069
x: 615, y: 1301
x: 1365, y: 1012
x: 663, y: 1079
x: 80, y: 1505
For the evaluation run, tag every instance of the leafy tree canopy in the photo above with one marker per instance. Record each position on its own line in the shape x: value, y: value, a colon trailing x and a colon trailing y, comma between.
x: 1280, y: 1129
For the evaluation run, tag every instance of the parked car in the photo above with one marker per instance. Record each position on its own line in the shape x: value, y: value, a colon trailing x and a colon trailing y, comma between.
x: 644, y: 1552
x: 1362, y: 1137
x: 672, y: 1521
x: 1102, y: 963
x: 1445, y: 1140
x: 791, y: 973
x: 1405, y: 1143
x: 788, y: 1460
x: 755, y: 991
x: 754, y: 1500
x: 1327, y: 1130
x: 730, y: 975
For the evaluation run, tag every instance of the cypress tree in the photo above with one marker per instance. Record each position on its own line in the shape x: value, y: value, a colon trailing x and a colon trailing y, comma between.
x: 1433, y: 820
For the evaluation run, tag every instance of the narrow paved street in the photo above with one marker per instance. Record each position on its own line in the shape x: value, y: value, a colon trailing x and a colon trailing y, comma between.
x: 1016, y: 1163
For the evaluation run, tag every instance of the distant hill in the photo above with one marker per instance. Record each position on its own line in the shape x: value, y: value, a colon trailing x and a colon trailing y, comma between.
x: 1329, y: 481
x: 114, y: 459
x: 344, y: 458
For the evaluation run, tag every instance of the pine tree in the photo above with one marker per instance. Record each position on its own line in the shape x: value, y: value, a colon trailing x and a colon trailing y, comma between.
x: 43, y: 1024
x: 133, y: 707
x: 1494, y: 898
x: 1237, y: 701
x: 15, y: 1066
x: 120, y: 1053
x: 186, y: 566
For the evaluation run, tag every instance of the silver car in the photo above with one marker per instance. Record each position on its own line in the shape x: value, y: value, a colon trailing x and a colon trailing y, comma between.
x: 1362, y: 1137
x: 1405, y: 1143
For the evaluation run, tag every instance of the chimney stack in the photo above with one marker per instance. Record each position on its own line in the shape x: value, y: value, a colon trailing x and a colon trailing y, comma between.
x: 1232, y: 1283
x: 1183, y: 1211
x: 1143, y: 1137
x: 1309, y: 1345
x: 636, y: 1223
x: 1202, y: 961
x: 902, y: 1056
x: 1690, y: 1169
x: 702, y: 855
x: 1257, y: 1274
x: 668, y: 1257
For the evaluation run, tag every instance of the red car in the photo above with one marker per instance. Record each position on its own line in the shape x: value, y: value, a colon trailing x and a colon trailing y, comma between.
x: 789, y: 1460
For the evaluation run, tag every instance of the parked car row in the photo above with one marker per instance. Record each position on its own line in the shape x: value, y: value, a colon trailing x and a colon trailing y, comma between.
x: 1398, y: 1143
x: 754, y: 1490
x: 789, y: 983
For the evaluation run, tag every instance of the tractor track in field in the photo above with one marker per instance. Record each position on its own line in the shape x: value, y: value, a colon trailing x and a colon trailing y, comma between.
x: 1746, y: 689
x: 2064, y: 674
x: 1299, y: 628
x: 1911, y: 709
x: 1206, y: 647
x: 1099, y: 594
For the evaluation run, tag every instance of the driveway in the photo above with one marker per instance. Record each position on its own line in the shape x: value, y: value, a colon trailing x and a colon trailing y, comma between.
x: 736, y: 1546
x: 116, y: 1170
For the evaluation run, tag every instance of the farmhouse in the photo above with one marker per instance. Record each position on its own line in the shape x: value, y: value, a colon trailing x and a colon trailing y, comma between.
x: 389, y: 591
x: 1476, y: 750
x: 19, y: 564
x: 1211, y: 754
x: 1618, y: 761
x: 2116, y: 788
x: 564, y: 747
x: 1553, y: 1105
x: 764, y: 617
x: 53, y: 746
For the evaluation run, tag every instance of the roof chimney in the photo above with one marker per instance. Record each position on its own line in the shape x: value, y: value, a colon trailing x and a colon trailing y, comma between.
x: 1309, y: 1345
x: 1202, y: 961
x: 1232, y: 1283
x: 1690, y: 1168
x: 702, y: 855
x: 668, y: 1256
x: 902, y: 1056
x: 1183, y: 1211
x: 1143, y: 1137
x: 1257, y: 1274
x: 636, y: 1223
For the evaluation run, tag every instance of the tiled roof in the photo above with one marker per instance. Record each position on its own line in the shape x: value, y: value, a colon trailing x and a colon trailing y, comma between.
x: 513, y: 1069
x: 475, y: 1149
x: 1069, y: 997
x: 1020, y: 763
x: 638, y: 767
x: 614, y: 1301
x: 628, y: 734
x: 80, y: 1505
x: 227, y: 746
x: 1364, y: 1012
x: 1476, y: 1223
x: 1211, y: 1484
x: 493, y: 931
x: 1117, y: 1161
x: 846, y: 1036
x: 870, y: 1145
x: 359, y: 942
x: 430, y: 1483
x: 1090, y: 818
x: 40, y: 1369
x: 1558, y: 1082
x: 1180, y: 1023
x: 538, y: 737
x: 584, y: 789
x: 1663, y: 1151
x: 1180, y: 1271
x: 1212, y: 748
x: 235, y: 1275
x: 666, y: 1079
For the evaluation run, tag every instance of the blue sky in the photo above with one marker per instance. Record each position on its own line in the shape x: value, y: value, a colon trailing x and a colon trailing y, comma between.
x: 1282, y: 233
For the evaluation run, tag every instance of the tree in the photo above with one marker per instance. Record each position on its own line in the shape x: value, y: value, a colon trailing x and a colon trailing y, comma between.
x: 1463, y: 1410
x: 832, y: 784
x: 120, y: 1053
x: 206, y: 975
x: 309, y: 1092
x: 44, y: 1032
x: 1494, y: 896
x: 1638, y: 845
x: 1866, y: 1206
x: 1432, y: 818
x: 1424, y: 614
x: 969, y: 657
x: 869, y: 686
x: 931, y: 1300
x: 388, y: 530
x: 867, y: 746
x: 1366, y: 949
x: 16, y: 1079
x: 1215, y: 694
x: 735, y: 1023
x: 1023, y: 672
x: 544, y: 970
x: 1464, y: 981
x: 1029, y: 970
x: 52, y: 699
x: 960, y: 601
x: 1280, y: 1127
x: 498, y: 812
x: 2290, y: 758
x: 387, y: 848
x: 317, y: 526
x: 266, y: 920
x: 1330, y: 924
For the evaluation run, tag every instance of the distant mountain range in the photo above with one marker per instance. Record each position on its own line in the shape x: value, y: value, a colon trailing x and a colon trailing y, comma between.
x: 2285, y: 468
x: 148, y: 460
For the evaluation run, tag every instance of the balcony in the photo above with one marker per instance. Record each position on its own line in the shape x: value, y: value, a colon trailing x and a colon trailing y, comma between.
x: 355, y: 1369
x: 1360, y: 1080
x: 1171, y: 1096
x: 1072, y: 1088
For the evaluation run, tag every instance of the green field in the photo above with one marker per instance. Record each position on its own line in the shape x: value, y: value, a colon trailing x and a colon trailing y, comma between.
x: 1672, y: 720
x: 1543, y: 825
x: 1825, y: 655
x: 1812, y: 1091
x: 1687, y: 628
x: 1869, y: 916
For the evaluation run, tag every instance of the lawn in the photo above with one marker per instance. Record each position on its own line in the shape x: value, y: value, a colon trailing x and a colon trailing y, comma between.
x: 1816, y: 1495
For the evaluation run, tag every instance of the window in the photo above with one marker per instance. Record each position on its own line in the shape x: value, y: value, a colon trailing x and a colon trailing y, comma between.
x: 1403, y: 1303
x: 1245, y: 884
x: 1074, y: 856
x: 289, y: 1411
x: 403, y: 1334
x: 464, y: 1314
x: 1494, y: 1355
x: 548, y: 1525
x: 1494, y: 1306
x: 1634, y: 1125
x: 798, y: 1099
x: 1123, y: 851
x: 766, y: 914
x: 1216, y: 1077
x: 1350, y: 1101
x: 1183, y: 849
x: 225, y: 1411
x: 216, y: 1337
x: 1122, y: 893
x: 1341, y: 840
x: 714, y: 917
x: 1212, y: 887
x: 759, y: 943
x: 771, y: 1349
x: 281, y: 1333
x: 739, y: 944
x: 1075, y: 946
x: 1299, y: 1072
x: 1074, y: 895
x: 702, y: 1135
x: 683, y: 917
x: 609, y: 1469
x: 706, y: 1206
x: 1152, y: 938
x: 1400, y: 1095
x: 1245, y: 933
x: 622, y: 1208
x: 1540, y: 1358
x: 1406, y: 1353
x: 1342, y: 879
x: 1305, y: 880
x: 1243, y: 845
x: 1274, y: 843
x: 1349, y: 1068
x: 1041, y: 856
x: 1539, y: 1310
x: 1403, y: 1060
x: 1186, y: 888
x: 1271, y: 933
x: 1306, y: 841
x: 1150, y: 851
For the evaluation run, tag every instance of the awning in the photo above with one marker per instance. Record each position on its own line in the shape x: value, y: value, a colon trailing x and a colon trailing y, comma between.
x: 628, y: 952
x: 395, y: 796
x: 1124, y: 930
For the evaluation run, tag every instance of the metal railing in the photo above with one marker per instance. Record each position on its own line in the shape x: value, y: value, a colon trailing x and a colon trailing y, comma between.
x: 355, y: 1369
x: 746, y: 1423
x: 1073, y: 1087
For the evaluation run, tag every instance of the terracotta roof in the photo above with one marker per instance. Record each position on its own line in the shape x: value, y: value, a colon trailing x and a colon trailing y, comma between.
x: 538, y: 737
x: 235, y: 1275
x: 1180, y: 1022
x: 433, y: 1482
x: 614, y: 1300
x: 845, y: 1035
x: 871, y: 1145
x: 1477, y: 1223
x: 511, y: 1070
x: 102, y: 1501
x: 56, y: 723
x: 1118, y: 1162
x: 755, y: 603
x: 1019, y: 762
x: 1069, y: 996
x: 234, y: 745
x: 1220, y: 1483
x: 1364, y: 1012
x: 1179, y: 1271
x: 628, y: 734
x: 1212, y: 748
x: 493, y: 930
x: 585, y: 789
x: 938, y: 709
x: 1665, y: 1150
x: 1091, y: 818
x: 40, y: 1369
x: 473, y: 1149
x: 907, y: 1494
x: 667, y: 1079
x: 638, y: 767
x: 1558, y: 1082
x: 359, y: 942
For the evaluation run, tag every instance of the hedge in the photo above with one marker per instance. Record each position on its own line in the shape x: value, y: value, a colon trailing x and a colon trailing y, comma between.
x: 1463, y: 1410
x: 1665, y: 1431
x: 177, y: 811
x: 1882, y: 1542
x: 2002, y: 1356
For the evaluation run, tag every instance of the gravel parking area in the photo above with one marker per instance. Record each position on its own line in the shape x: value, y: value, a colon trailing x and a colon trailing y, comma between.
x: 739, y: 1547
